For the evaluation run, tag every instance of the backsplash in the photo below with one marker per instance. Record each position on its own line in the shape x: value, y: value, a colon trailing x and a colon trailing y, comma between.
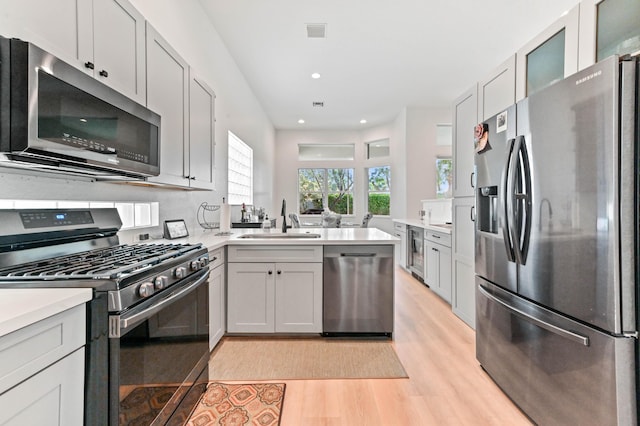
x: 436, y: 211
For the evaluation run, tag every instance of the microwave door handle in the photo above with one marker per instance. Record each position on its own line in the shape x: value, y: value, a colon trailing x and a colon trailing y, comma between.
x: 127, y: 321
x: 504, y: 208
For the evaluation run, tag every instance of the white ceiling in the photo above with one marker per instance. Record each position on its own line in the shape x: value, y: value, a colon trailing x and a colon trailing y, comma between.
x: 378, y: 56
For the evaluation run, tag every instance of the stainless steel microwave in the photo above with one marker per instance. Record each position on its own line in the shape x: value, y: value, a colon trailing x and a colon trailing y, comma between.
x: 53, y: 116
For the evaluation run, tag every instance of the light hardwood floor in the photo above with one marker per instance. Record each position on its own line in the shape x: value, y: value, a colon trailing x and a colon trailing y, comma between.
x: 446, y: 385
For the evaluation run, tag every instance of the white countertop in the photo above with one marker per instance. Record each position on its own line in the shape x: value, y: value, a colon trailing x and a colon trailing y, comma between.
x: 22, y: 307
x: 328, y: 236
x: 445, y: 229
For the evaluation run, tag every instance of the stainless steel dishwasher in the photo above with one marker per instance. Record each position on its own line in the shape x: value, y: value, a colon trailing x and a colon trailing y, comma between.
x: 358, y: 290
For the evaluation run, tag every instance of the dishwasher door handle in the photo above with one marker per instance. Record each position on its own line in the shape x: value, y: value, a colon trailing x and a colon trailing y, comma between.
x: 357, y: 255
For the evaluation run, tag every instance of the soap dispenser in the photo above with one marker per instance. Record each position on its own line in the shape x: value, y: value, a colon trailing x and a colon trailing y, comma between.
x: 266, y: 223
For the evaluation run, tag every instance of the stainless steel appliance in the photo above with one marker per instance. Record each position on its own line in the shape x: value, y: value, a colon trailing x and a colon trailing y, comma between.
x: 556, y: 248
x: 147, y: 330
x: 55, y: 117
x: 358, y: 290
x: 415, y: 251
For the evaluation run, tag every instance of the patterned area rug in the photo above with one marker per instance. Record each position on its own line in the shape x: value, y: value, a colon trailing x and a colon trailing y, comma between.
x: 143, y: 404
x: 239, y: 404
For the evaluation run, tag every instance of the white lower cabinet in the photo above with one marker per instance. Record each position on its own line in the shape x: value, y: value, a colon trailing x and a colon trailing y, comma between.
x: 463, y: 301
x: 438, y: 265
x: 274, y: 297
x: 42, y: 372
x: 54, y: 396
x: 217, y: 300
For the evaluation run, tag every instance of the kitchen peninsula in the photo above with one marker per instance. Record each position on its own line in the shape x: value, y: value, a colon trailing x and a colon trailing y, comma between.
x: 288, y: 283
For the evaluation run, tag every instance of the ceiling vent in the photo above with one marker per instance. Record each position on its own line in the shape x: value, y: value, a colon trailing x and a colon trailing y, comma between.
x: 318, y: 104
x: 316, y: 30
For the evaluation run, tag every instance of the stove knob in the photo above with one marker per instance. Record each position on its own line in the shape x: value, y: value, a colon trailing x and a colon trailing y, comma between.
x: 145, y: 289
x: 204, y: 261
x: 160, y: 282
x: 195, y: 265
x: 180, y: 272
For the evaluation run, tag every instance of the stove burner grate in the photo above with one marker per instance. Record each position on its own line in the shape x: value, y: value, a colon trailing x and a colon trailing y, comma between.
x: 105, y: 263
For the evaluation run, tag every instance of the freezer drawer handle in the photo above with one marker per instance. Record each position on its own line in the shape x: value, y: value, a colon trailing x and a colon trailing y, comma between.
x: 357, y: 254
x: 542, y: 324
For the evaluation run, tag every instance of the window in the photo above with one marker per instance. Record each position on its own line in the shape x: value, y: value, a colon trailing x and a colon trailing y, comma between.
x: 378, y: 149
x: 379, y: 192
x: 320, y: 152
x: 320, y: 188
x: 240, y: 173
x: 444, y: 178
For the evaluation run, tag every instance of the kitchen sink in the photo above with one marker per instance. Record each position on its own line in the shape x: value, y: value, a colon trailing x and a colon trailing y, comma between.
x: 293, y: 235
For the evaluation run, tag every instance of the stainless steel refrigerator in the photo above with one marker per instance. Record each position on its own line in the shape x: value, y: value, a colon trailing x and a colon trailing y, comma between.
x: 556, y: 248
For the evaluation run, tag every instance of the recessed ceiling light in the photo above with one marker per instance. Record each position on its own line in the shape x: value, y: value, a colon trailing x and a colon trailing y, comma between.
x: 315, y: 75
x: 301, y: 121
x: 363, y: 121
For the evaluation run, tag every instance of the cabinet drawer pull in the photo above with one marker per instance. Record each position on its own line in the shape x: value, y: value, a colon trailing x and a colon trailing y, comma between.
x: 270, y: 272
x: 279, y: 272
x: 104, y: 73
x: 89, y: 65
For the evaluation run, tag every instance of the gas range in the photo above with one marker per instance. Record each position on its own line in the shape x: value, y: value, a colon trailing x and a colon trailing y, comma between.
x: 54, y: 248
x: 147, y: 299
x: 130, y: 273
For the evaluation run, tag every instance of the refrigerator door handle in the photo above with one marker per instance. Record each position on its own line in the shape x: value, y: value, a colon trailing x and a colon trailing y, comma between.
x: 505, y: 219
x: 524, y: 198
x: 583, y: 340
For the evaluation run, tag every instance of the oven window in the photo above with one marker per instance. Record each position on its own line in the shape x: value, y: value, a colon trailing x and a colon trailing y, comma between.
x: 160, y: 359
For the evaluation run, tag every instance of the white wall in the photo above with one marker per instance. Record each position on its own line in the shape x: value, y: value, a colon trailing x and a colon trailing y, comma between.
x: 422, y: 152
x: 185, y: 26
x: 413, y: 149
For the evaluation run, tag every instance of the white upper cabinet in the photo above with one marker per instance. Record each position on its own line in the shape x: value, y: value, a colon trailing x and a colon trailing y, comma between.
x: 186, y: 107
x: 201, y: 134
x: 168, y: 95
x: 104, y: 38
x: 608, y: 27
x: 549, y: 57
x: 118, y: 47
x: 465, y: 117
x: 498, y: 90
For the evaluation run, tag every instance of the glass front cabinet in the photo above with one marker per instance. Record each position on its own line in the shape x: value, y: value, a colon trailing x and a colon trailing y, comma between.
x: 549, y: 57
x: 608, y: 27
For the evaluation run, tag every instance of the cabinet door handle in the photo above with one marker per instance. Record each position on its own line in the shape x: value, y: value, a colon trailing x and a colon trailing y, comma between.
x: 89, y: 65
x: 192, y: 177
x: 104, y: 73
x: 279, y: 272
x: 270, y: 272
x: 434, y: 249
x: 472, y: 214
x: 435, y: 236
x: 471, y: 176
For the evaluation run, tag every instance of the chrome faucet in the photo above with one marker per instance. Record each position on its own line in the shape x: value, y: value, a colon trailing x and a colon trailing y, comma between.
x: 550, y: 223
x: 284, y: 216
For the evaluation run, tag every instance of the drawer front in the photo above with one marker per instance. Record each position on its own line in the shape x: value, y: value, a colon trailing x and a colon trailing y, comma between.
x: 30, y: 349
x: 272, y: 253
x: 216, y: 258
x: 438, y: 237
x: 400, y: 227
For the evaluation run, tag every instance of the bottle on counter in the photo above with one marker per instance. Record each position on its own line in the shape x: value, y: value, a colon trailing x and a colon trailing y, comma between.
x: 243, y: 218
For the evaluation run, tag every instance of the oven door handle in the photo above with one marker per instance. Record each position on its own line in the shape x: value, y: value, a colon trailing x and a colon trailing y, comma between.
x: 120, y: 324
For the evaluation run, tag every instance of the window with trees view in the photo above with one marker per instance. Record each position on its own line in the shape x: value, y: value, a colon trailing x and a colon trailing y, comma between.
x: 320, y: 188
x: 379, y: 193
